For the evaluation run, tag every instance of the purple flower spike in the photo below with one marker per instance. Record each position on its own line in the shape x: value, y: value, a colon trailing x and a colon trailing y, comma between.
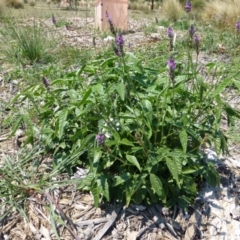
x: 196, y: 39
x: 237, y: 26
x: 171, y: 64
x: 192, y: 30
x: 172, y: 67
x: 170, y: 32
x: 112, y: 29
x: 188, y: 6
x: 120, y: 41
x: 46, y: 83
x: 100, y: 138
x: 54, y: 20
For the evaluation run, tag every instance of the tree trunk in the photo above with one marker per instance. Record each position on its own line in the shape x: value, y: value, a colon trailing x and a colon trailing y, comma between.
x: 152, y: 5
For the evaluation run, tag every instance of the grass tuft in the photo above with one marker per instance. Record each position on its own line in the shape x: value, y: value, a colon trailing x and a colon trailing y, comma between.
x: 32, y: 3
x: 223, y: 13
x: 172, y: 9
x: 15, y: 3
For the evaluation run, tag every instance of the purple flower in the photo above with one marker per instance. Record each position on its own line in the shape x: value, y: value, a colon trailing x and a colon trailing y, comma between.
x: 112, y: 29
x: 54, y: 20
x: 237, y: 26
x: 100, y: 138
x: 172, y: 67
x: 46, y: 83
x: 120, y: 41
x: 196, y: 39
x: 171, y: 64
x: 188, y: 6
x: 192, y: 30
x: 170, y: 32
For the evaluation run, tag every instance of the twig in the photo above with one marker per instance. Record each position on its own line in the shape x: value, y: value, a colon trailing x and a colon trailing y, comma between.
x: 50, y: 198
x: 160, y: 219
x: 110, y: 222
x: 89, y: 222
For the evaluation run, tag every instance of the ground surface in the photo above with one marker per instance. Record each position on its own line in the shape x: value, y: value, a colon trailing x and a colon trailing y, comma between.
x: 215, y: 214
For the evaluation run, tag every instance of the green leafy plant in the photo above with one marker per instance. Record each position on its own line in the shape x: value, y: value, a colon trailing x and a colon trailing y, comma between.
x: 140, y: 129
x: 154, y: 128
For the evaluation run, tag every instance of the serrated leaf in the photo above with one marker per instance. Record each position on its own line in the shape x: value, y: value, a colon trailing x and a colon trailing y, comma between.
x: 86, y: 95
x: 237, y: 84
x: 157, y: 185
x: 121, y: 179
x: 184, y: 140
x: 189, y: 170
x: 121, y: 90
x: 62, y: 117
x: 86, y: 181
x: 95, y: 192
x: 96, y: 158
x: 217, y: 145
x: 125, y: 141
x: 134, y: 161
x: 147, y: 105
x: 105, y: 187
x: 172, y: 166
x: 220, y: 88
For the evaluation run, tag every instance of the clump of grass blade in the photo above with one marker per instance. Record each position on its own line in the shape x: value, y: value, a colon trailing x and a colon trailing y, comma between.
x: 172, y: 9
x: 25, y: 43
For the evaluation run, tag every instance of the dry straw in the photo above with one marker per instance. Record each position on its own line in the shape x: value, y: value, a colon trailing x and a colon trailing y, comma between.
x: 224, y: 13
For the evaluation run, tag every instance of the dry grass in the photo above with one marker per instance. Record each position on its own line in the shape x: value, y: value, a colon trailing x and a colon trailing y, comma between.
x: 32, y: 3
x: 15, y: 3
x: 223, y: 13
x: 2, y: 7
x: 172, y: 9
x: 139, y: 6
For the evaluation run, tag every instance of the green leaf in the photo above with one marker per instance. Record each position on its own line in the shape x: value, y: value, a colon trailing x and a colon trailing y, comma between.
x: 96, y: 192
x: 217, y: 144
x: 184, y: 140
x: 96, y: 158
x: 134, y: 161
x: 121, y: 90
x: 157, y: 185
x: 105, y: 187
x: 121, y: 179
x: 86, y: 95
x: 237, y: 84
x: 172, y: 166
x: 147, y: 105
x: 62, y: 117
x: 125, y: 141
x: 220, y: 88
x: 86, y: 182
x: 189, y: 170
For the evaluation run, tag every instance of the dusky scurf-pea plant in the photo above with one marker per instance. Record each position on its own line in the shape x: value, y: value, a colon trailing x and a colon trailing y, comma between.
x: 140, y: 131
x: 170, y: 34
x: 188, y: 6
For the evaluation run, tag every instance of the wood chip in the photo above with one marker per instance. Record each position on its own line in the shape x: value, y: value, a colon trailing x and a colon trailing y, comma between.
x: 110, y: 222
x: 194, y: 222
